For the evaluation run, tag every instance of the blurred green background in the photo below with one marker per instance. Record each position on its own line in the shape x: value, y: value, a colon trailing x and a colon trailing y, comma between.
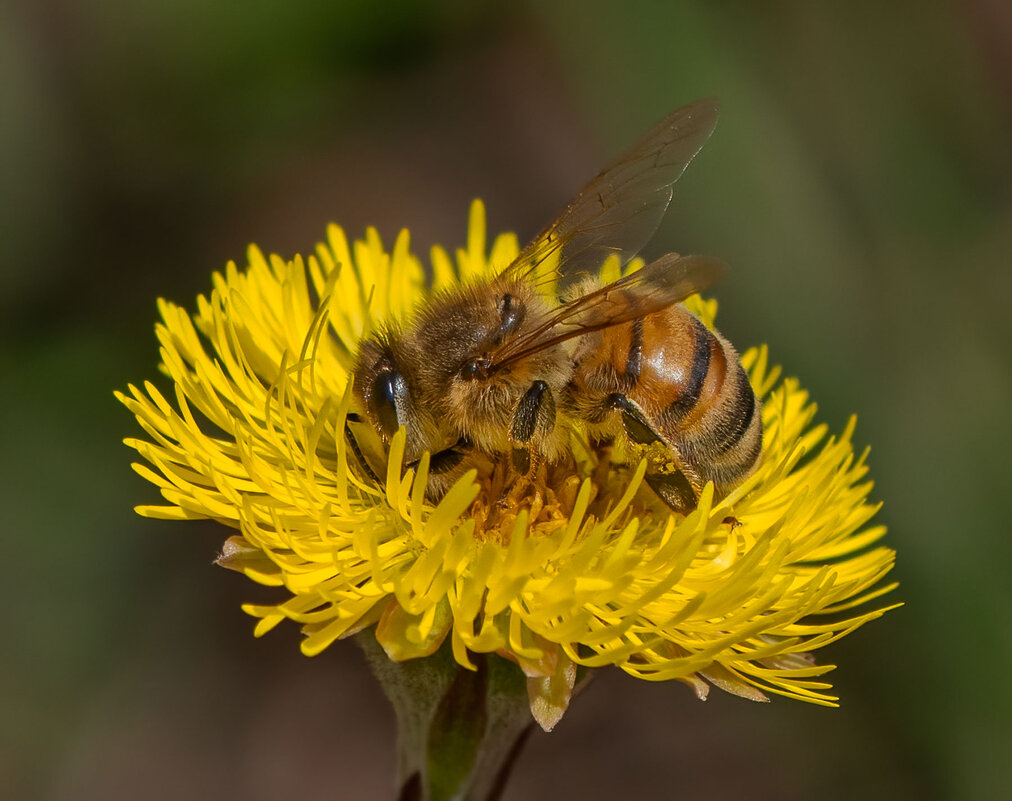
x: 858, y: 184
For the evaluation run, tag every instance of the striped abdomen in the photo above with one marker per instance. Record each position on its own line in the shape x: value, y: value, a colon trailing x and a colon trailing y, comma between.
x: 687, y: 384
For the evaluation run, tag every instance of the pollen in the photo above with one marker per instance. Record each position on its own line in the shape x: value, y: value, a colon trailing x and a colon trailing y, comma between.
x: 540, y: 506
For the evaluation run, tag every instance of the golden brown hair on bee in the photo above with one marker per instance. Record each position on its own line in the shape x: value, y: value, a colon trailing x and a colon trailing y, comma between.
x: 440, y: 376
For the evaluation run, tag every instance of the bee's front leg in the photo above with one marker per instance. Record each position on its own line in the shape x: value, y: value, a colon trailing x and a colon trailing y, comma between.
x: 445, y: 460
x: 533, y: 422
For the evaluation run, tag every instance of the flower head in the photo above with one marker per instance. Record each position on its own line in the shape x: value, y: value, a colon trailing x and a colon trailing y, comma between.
x: 588, y: 569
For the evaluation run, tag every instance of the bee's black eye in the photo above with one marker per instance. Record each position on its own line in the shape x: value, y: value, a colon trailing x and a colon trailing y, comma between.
x: 385, y: 390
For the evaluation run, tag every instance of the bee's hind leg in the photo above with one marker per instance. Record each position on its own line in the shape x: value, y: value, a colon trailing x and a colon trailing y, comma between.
x: 674, y: 489
x: 668, y: 475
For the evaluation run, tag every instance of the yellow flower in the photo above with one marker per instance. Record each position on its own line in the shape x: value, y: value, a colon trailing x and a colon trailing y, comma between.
x: 593, y: 572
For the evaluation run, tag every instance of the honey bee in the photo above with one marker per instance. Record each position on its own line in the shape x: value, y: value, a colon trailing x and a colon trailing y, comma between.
x: 500, y: 371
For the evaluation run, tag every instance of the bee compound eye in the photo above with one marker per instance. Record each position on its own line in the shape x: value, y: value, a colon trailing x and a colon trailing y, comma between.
x: 386, y: 389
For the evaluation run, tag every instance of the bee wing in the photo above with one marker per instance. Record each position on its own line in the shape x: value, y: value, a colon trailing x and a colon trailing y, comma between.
x: 656, y: 286
x: 618, y: 211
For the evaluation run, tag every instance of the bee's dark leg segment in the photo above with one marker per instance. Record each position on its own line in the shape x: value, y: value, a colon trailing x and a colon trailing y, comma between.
x: 637, y: 427
x: 521, y: 458
x: 535, y: 416
x: 535, y: 413
x: 357, y: 450
x: 674, y: 489
x: 444, y: 460
x: 533, y: 420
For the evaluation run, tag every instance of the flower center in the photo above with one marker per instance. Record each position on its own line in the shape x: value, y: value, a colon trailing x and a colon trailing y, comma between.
x: 547, y: 498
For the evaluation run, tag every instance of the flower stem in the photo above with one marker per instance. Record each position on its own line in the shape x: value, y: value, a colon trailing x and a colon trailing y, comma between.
x: 459, y: 731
